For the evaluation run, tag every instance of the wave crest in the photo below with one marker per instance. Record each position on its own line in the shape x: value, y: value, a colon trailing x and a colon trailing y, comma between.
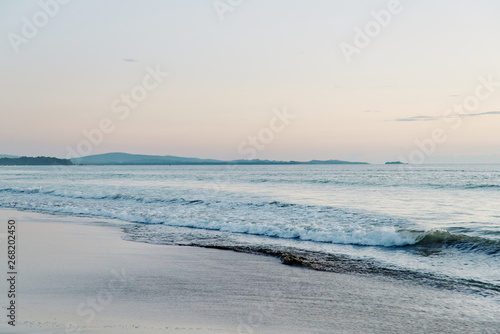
x: 442, y: 238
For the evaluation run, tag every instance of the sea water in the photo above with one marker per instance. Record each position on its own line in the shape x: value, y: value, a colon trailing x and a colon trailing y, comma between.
x: 438, y: 222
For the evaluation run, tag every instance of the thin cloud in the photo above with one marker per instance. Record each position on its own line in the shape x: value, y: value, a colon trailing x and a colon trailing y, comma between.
x: 371, y: 110
x: 436, y: 118
x: 130, y: 60
x: 419, y: 119
x: 486, y: 113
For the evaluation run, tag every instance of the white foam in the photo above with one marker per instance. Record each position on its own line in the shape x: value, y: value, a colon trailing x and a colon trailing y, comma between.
x: 311, y: 223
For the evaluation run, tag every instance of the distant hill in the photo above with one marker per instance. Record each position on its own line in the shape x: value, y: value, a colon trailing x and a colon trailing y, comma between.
x: 8, y: 156
x: 33, y: 161
x: 395, y: 163
x: 138, y: 159
x: 334, y: 162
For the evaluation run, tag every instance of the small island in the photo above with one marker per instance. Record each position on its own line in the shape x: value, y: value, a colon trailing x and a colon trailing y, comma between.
x: 396, y: 163
x: 34, y: 161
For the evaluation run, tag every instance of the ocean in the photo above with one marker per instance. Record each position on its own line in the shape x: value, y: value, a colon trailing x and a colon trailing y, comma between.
x: 434, y: 224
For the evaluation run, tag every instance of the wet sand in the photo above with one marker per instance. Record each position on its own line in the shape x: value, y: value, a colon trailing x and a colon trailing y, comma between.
x: 76, y: 275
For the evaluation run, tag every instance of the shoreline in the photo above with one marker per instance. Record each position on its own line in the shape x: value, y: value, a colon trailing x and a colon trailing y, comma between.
x: 74, y: 270
x: 340, y: 263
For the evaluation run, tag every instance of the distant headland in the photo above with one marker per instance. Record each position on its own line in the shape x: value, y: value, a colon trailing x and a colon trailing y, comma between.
x: 138, y: 159
x: 33, y: 161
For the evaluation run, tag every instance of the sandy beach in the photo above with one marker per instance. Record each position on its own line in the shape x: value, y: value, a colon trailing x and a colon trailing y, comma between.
x: 77, y: 275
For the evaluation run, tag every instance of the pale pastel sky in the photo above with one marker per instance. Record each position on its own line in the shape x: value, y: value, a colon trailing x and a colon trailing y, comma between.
x: 66, y: 66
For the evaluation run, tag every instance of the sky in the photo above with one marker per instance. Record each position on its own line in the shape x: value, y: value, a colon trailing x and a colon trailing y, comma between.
x: 373, y: 81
